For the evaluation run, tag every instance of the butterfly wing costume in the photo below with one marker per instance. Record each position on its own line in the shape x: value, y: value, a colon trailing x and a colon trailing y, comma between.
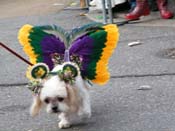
x: 92, y: 44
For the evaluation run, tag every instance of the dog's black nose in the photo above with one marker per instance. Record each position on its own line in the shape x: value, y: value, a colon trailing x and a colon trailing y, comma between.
x: 55, y: 109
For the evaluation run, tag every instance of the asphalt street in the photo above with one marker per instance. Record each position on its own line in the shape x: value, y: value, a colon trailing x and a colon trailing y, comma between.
x: 139, y: 96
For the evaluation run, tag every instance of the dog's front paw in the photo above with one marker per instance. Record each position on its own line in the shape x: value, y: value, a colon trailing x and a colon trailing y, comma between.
x: 63, y: 124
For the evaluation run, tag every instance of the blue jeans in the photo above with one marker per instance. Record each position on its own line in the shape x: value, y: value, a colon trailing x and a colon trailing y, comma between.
x: 133, y: 4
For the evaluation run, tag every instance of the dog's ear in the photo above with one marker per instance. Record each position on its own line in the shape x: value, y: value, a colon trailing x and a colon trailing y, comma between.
x: 73, y: 98
x: 36, y: 105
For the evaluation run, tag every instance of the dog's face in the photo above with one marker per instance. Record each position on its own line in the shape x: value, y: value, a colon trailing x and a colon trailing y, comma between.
x: 54, y: 95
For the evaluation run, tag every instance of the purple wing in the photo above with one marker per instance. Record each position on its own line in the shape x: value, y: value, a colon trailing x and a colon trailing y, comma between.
x: 95, y: 49
x: 83, y: 48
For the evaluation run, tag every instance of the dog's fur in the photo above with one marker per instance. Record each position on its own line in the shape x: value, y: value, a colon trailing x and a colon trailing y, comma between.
x: 63, y: 99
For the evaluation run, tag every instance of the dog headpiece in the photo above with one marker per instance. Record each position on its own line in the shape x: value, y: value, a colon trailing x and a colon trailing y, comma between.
x: 86, y: 49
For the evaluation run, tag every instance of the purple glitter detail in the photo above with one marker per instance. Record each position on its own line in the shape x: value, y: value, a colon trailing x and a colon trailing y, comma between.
x: 66, y: 56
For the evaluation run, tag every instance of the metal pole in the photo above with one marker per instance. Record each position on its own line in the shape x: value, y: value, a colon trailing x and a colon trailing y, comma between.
x: 87, y: 3
x: 104, y: 12
x: 110, y: 11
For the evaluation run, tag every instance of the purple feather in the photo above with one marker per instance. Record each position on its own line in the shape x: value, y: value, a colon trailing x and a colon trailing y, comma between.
x: 83, y: 47
x: 50, y: 45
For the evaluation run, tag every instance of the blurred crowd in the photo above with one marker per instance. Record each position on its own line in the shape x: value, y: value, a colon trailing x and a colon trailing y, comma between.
x: 140, y: 8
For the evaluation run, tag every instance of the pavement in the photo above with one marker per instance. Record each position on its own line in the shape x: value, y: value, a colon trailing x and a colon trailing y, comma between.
x: 139, y: 96
x: 16, y: 8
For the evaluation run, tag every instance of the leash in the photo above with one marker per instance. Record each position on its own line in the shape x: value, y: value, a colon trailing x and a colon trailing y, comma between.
x: 15, y: 54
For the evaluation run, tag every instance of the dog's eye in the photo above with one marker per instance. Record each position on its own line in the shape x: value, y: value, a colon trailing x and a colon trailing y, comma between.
x: 46, y: 100
x: 60, y: 99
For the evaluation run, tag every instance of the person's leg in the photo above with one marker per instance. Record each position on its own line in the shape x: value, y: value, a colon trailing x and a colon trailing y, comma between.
x: 141, y: 9
x: 132, y: 4
x: 153, y: 5
x: 164, y: 12
x: 82, y: 3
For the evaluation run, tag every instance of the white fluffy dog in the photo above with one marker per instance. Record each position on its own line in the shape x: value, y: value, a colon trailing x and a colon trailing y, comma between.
x: 64, y: 89
x: 63, y: 99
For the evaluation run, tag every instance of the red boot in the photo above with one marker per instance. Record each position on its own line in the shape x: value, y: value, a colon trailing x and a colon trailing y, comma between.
x: 164, y: 12
x: 141, y: 9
